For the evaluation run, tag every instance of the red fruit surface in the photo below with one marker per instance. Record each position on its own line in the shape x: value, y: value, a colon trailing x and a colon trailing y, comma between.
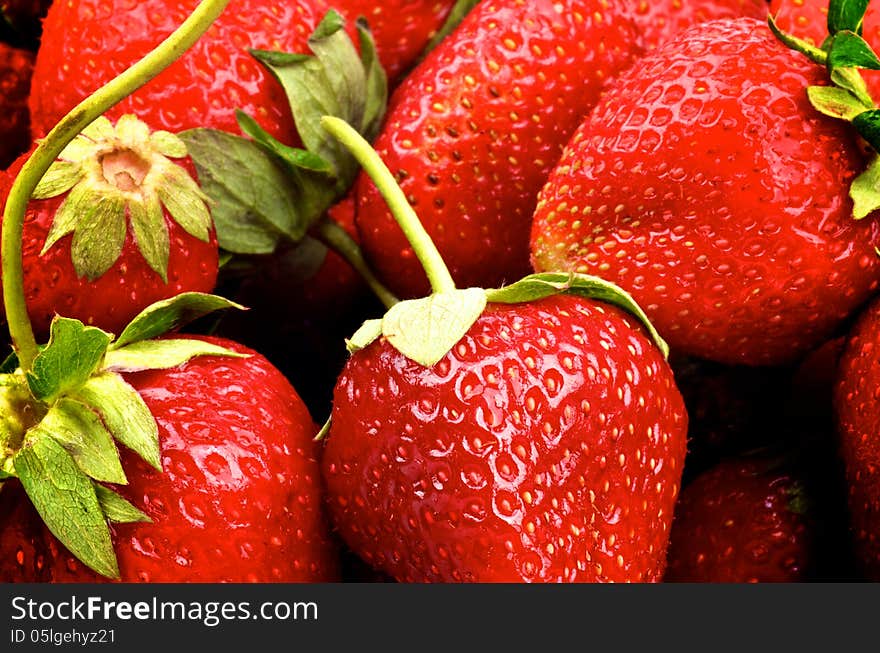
x: 808, y: 20
x: 858, y: 422
x: 129, y: 286
x: 16, y: 67
x: 86, y: 43
x: 707, y: 186
x: 401, y: 28
x: 239, y: 499
x: 740, y: 522
x: 473, y: 131
x: 546, y: 446
x: 660, y: 20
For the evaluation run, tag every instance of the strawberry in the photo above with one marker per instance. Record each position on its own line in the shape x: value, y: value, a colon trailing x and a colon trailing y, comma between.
x: 743, y: 521
x: 858, y: 419
x: 16, y: 67
x: 705, y: 184
x: 659, y: 21
x: 105, y: 273
x: 473, y: 131
x: 528, y: 433
x: 86, y: 43
x: 239, y: 499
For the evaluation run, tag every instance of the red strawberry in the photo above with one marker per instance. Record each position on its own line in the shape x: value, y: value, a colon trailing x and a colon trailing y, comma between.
x: 473, y: 131
x: 707, y: 186
x: 16, y: 67
x: 516, y: 434
x: 86, y: 43
x: 239, y: 499
x: 858, y: 421
x: 660, y: 20
x: 743, y: 521
x: 106, y: 273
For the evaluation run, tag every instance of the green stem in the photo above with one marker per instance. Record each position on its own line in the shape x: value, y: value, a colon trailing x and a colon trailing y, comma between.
x: 338, y: 239
x: 73, y: 123
x: 423, y: 246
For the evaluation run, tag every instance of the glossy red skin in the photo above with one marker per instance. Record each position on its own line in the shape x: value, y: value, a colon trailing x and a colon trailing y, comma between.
x: 471, y: 157
x: 86, y: 43
x: 128, y: 287
x: 660, y: 20
x: 525, y: 454
x: 808, y: 20
x: 239, y: 499
x: 858, y: 423
x: 401, y: 28
x: 707, y: 186
x: 736, y: 524
x: 16, y: 67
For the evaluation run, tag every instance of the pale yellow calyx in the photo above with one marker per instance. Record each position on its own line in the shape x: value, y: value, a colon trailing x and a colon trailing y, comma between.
x: 120, y: 174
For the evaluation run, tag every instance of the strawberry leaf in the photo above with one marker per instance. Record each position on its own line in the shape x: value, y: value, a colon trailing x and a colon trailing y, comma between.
x: 117, y: 509
x: 161, y: 354
x: 254, y: 203
x: 846, y: 15
x: 867, y: 124
x: 168, y: 314
x: 851, y: 80
x: 835, y: 102
x: 73, y: 354
x: 293, y: 157
x: 425, y: 330
x: 457, y: 14
x: 849, y: 50
x: 99, y: 235
x: 537, y: 286
x: 368, y: 332
x: 66, y: 500
x: 82, y: 434
x: 151, y: 233
x: 124, y: 413
x: 376, y: 83
x: 865, y: 190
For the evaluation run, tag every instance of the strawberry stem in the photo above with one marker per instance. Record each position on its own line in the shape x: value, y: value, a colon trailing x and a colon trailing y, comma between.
x: 423, y: 246
x: 338, y: 239
x: 73, y: 123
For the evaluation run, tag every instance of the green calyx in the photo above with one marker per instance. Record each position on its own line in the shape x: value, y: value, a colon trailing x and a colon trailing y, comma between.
x: 266, y: 193
x: 116, y: 175
x: 425, y: 330
x: 64, y: 418
x: 844, y: 53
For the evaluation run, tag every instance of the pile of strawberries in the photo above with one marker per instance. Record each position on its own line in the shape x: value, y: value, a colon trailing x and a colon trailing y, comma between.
x: 597, y: 303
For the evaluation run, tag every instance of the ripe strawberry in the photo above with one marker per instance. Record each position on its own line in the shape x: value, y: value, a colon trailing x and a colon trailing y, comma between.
x: 86, y: 43
x: 858, y: 419
x: 707, y: 186
x: 528, y: 433
x: 743, y: 521
x: 105, y: 273
x: 658, y: 22
x: 473, y: 131
x: 239, y: 499
x: 16, y: 67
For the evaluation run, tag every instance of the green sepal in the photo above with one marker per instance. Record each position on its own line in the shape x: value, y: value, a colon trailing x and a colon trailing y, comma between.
x: 184, y: 200
x: 424, y: 330
x: 117, y: 509
x: 99, y: 234
x: 168, y: 314
x: 545, y: 284
x: 851, y: 79
x: 293, y: 157
x: 849, y: 50
x: 253, y: 202
x: 162, y: 354
x: 60, y: 178
x: 72, y: 355
x: 124, y: 413
x: 83, y: 435
x: 9, y: 364
x: 846, y: 15
x: 151, y: 233
x: 65, y: 499
x: 74, y: 206
x: 817, y: 55
x: 865, y: 190
x: 376, y: 95
x: 835, y: 102
x: 168, y: 144
x: 867, y: 124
